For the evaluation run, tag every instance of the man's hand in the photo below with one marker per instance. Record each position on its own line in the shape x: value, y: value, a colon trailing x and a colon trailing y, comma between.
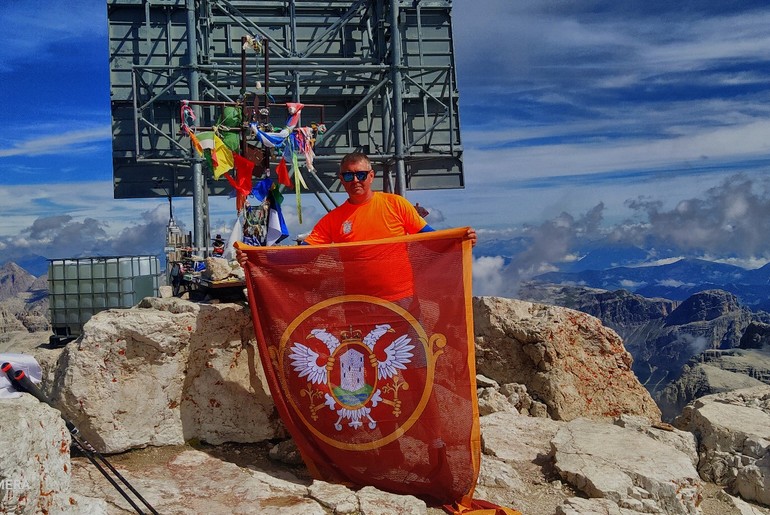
x: 241, y: 257
x: 471, y: 235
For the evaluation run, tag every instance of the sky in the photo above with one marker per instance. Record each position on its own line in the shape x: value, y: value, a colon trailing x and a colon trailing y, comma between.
x: 591, y: 123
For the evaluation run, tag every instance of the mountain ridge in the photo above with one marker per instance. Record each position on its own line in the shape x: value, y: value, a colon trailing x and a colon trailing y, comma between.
x: 676, y: 281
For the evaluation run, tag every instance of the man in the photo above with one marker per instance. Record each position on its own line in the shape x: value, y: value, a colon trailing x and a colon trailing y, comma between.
x: 366, y: 215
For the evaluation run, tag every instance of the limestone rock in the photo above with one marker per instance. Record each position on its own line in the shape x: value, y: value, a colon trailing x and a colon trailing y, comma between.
x: 376, y: 502
x: 14, y: 280
x: 338, y: 498
x: 286, y: 452
x: 710, y: 375
x: 626, y: 467
x: 515, y: 450
x: 756, y: 336
x: 682, y: 441
x: 733, y: 429
x: 567, y: 359
x: 193, y: 481
x: 168, y: 371
x: 580, y: 506
x: 35, y: 459
x: 9, y: 322
x: 664, y: 336
x: 491, y: 401
x: 517, y: 395
x: 217, y: 269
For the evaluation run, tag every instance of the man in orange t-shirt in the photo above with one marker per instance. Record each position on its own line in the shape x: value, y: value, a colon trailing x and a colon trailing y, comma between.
x: 366, y: 215
x: 369, y: 215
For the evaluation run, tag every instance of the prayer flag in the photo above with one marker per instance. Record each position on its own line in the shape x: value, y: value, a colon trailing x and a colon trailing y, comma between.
x: 282, y: 171
x: 277, y: 230
x: 206, y: 140
x: 195, y: 143
x: 374, y: 380
x: 294, y: 109
x: 242, y: 184
x: 224, y: 158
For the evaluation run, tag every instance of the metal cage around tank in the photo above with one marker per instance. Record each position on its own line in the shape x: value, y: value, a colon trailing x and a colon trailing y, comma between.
x: 78, y: 288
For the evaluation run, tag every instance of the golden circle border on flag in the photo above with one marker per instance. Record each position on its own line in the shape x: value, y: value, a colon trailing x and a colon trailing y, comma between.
x: 430, y: 357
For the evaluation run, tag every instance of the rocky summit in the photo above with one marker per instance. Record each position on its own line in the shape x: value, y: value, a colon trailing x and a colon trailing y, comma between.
x: 176, y: 389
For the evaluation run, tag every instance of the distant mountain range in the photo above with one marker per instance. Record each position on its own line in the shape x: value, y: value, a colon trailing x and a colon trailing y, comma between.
x: 675, y: 281
x: 23, y: 300
x: 32, y: 263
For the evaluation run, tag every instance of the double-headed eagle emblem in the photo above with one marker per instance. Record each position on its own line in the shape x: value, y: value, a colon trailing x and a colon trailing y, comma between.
x: 351, y: 395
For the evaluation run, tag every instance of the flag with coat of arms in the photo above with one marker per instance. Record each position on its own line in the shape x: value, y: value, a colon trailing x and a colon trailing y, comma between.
x: 368, y: 350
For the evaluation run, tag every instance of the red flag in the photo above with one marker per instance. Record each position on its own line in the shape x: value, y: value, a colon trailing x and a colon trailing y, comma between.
x: 369, y: 353
x: 243, y: 182
x: 283, y: 173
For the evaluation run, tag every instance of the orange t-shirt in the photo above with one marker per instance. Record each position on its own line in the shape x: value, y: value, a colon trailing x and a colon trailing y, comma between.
x: 372, y: 268
x: 383, y: 216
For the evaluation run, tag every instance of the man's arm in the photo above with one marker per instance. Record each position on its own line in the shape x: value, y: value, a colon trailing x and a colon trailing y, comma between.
x: 470, y: 234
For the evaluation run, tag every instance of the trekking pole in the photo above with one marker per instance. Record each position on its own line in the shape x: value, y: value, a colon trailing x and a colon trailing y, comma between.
x: 21, y: 382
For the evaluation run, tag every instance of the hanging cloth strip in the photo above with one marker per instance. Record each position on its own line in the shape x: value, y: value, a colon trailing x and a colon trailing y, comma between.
x: 283, y: 173
x: 294, y: 111
x: 187, y: 115
x: 299, y: 182
x: 305, y: 141
x: 242, y: 182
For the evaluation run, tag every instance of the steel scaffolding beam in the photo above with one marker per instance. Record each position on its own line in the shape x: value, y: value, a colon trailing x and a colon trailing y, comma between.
x: 382, y: 69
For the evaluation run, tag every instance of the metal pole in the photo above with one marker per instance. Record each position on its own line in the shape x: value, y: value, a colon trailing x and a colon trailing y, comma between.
x: 199, y: 182
x: 398, y: 114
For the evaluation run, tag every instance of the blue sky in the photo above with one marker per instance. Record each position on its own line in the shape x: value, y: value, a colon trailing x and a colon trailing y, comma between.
x: 644, y: 123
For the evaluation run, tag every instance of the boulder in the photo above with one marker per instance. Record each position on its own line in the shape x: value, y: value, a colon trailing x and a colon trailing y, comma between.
x: 580, y: 506
x: 707, y: 377
x: 35, y: 463
x: 218, y: 269
x: 165, y: 372
x: 515, y: 457
x: 733, y: 431
x: 568, y: 360
x: 627, y: 467
x: 682, y: 441
x: 9, y: 322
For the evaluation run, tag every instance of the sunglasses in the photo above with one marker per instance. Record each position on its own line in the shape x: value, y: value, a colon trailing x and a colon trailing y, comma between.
x: 360, y: 175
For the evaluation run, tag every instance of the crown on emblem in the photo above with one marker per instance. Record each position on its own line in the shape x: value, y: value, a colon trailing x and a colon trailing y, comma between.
x: 351, y: 335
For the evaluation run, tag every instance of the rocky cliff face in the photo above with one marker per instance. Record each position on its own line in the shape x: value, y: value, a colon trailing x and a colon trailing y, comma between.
x: 14, y: 280
x: 708, y: 320
x: 616, y: 309
x: 23, y: 300
x: 568, y: 360
x: 720, y: 370
x: 661, y: 335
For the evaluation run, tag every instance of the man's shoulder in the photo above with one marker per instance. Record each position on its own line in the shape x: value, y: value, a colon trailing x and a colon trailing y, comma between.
x: 391, y: 198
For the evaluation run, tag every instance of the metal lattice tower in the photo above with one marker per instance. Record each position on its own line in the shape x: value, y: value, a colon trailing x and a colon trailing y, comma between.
x: 383, y: 70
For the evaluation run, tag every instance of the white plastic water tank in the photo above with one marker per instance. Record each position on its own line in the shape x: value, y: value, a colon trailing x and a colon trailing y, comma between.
x: 80, y: 287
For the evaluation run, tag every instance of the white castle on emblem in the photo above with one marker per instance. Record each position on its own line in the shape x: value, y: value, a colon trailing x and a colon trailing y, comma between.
x: 352, y: 370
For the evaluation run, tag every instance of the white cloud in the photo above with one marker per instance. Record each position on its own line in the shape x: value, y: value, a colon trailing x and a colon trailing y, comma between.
x: 488, y: 276
x: 673, y: 283
x: 70, y: 142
